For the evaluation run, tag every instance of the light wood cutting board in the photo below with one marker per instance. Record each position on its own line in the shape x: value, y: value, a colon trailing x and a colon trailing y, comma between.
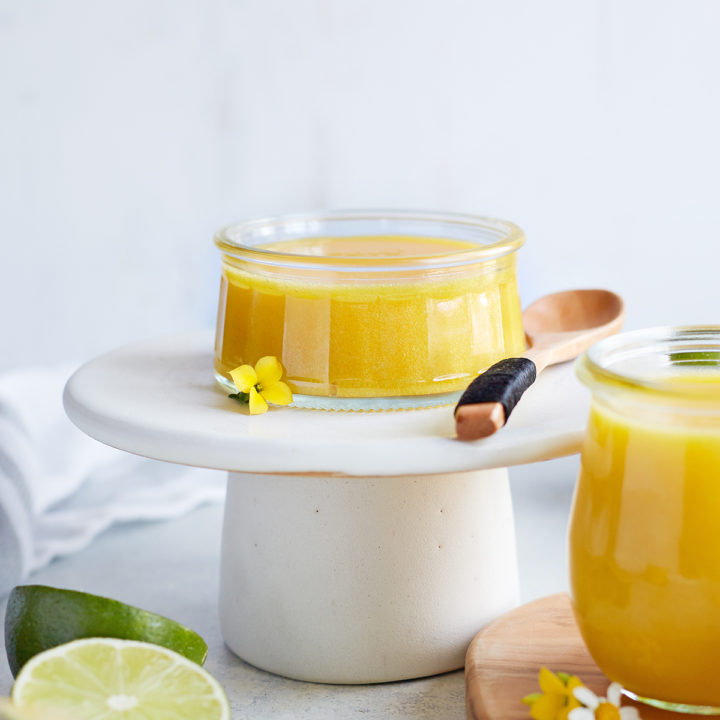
x: 503, y: 661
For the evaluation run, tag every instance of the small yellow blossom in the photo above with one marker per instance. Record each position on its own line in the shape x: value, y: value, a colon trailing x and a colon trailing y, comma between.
x: 556, y: 700
x: 261, y: 385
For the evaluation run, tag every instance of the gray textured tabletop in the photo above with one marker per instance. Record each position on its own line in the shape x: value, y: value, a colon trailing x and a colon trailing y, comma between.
x: 173, y: 567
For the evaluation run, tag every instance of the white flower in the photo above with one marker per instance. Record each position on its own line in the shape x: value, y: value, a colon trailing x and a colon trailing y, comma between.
x: 605, y: 708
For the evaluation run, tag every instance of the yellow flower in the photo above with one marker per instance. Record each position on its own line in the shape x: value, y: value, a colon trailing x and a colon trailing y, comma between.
x: 261, y: 385
x: 556, y: 699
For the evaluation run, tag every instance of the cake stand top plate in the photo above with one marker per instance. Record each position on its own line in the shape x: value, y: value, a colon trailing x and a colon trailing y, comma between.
x: 159, y: 399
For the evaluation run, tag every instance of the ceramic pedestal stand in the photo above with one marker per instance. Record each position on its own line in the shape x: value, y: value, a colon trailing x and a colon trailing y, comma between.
x: 357, y: 547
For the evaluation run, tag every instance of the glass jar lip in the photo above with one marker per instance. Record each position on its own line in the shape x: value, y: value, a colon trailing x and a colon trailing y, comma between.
x: 700, y: 344
x: 506, y: 238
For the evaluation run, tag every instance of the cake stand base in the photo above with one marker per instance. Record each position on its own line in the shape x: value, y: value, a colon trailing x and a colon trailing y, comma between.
x: 364, y: 580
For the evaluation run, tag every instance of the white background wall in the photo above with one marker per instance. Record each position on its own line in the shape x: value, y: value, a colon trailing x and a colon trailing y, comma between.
x: 129, y: 131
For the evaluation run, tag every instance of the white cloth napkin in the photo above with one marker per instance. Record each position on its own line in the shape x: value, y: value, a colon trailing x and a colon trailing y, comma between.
x: 59, y: 488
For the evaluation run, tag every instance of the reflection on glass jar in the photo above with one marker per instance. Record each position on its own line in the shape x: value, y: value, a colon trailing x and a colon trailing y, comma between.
x: 645, y: 525
x: 367, y: 305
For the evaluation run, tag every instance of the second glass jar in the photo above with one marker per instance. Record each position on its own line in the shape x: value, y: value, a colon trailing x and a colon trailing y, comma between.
x: 645, y: 525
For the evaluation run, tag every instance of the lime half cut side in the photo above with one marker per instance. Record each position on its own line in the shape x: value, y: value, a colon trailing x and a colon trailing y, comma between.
x: 8, y: 711
x: 110, y: 679
x: 39, y: 617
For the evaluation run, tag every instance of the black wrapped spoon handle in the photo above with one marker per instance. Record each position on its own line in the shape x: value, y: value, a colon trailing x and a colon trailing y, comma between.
x: 490, y: 398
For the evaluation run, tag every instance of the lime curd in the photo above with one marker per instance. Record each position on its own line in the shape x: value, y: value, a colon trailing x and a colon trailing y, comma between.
x: 369, y: 315
x: 645, y: 527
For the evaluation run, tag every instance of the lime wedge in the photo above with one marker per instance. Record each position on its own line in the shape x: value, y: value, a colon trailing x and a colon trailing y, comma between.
x: 109, y: 679
x: 40, y: 617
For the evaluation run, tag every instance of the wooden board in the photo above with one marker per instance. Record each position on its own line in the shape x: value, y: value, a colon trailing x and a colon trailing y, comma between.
x: 504, y: 658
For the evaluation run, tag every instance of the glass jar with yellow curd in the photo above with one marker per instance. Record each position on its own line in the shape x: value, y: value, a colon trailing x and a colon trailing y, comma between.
x: 370, y: 310
x: 645, y: 525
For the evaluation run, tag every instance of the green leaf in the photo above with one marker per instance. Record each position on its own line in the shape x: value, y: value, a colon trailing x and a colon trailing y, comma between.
x: 565, y: 677
x: 241, y: 396
x: 532, y: 698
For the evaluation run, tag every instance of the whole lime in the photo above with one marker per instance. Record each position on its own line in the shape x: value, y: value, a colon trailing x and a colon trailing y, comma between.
x: 39, y: 617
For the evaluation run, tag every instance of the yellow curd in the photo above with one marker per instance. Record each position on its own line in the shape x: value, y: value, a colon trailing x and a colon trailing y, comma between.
x: 385, y: 328
x: 645, y: 536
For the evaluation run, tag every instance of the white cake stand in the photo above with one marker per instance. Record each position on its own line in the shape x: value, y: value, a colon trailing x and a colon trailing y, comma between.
x: 357, y: 547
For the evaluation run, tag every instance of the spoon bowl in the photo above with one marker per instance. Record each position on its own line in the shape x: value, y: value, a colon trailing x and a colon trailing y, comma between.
x: 562, y: 325
x: 572, y: 311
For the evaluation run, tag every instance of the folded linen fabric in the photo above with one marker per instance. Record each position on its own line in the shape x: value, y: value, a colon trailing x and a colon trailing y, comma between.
x: 59, y: 488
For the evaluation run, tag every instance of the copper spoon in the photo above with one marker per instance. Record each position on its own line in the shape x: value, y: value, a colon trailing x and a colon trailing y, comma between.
x: 558, y: 327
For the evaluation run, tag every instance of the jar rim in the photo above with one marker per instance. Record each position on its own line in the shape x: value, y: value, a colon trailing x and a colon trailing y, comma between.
x: 503, y: 238
x: 686, y: 346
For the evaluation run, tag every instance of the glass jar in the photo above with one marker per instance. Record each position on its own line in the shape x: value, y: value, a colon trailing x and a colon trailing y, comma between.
x: 370, y: 310
x: 645, y: 525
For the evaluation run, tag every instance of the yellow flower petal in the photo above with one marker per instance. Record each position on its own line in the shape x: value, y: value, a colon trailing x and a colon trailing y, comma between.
x: 268, y: 369
x: 244, y: 378
x: 257, y: 402
x: 550, y: 682
x: 547, y: 707
x: 573, y: 682
x: 278, y: 393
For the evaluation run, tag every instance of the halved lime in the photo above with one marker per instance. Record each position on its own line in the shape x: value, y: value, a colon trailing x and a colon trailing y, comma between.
x: 109, y: 679
x: 40, y: 617
x: 8, y: 711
